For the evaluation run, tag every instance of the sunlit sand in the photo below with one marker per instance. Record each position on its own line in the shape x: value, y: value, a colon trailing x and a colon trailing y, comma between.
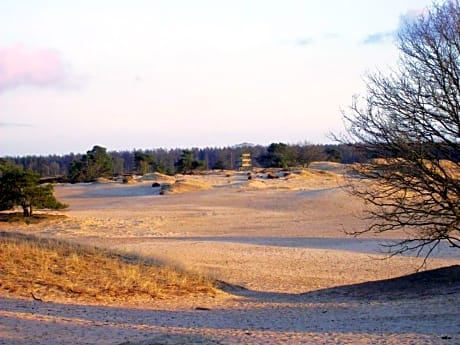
x: 288, y: 272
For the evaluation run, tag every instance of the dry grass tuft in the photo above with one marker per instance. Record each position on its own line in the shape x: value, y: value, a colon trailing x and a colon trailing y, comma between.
x: 157, y: 177
x: 190, y: 184
x: 17, y: 217
x: 311, y: 173
x: 58, y: 271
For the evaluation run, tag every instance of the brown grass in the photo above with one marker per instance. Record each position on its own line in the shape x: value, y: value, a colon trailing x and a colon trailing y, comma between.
x: 190, y: 185
x: 58, y: 271
x: 17, y: 217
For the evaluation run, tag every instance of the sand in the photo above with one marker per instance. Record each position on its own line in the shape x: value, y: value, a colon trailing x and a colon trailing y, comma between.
x: 290, y: 274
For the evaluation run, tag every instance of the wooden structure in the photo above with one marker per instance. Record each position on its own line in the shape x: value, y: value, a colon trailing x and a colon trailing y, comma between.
x: 245, y: 161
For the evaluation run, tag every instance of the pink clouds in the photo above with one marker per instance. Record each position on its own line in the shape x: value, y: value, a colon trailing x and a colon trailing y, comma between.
x: 20, y: 65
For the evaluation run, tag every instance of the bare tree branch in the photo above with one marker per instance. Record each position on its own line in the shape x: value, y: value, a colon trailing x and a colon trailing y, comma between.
x: 409, y: 125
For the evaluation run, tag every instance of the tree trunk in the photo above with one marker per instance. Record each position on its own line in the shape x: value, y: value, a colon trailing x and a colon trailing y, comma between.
x: 26, y: 211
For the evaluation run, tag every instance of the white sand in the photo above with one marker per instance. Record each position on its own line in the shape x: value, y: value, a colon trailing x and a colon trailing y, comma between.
x: 263, y: 235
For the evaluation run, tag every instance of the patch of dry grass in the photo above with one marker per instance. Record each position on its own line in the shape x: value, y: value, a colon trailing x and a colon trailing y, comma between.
x: 58, y: 271
x: 17, y: 217
x: 190, y: 184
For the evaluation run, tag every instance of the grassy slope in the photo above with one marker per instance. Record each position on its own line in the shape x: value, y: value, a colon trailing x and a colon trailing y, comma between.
x: 53, y: 271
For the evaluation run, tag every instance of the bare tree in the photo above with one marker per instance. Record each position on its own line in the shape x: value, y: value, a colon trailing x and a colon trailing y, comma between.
x: 307, y: 153
x: 409, y: 123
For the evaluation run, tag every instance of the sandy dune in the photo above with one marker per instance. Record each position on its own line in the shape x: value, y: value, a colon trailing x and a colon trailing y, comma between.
x: 280, y: 248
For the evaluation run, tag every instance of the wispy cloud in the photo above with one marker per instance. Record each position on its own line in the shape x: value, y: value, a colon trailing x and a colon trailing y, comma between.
x: 12, y: 124
x: 382, y: 37
x: 21, y: 65
x: 305, y: 41
x: 331, y: 36
x: 379, y: 37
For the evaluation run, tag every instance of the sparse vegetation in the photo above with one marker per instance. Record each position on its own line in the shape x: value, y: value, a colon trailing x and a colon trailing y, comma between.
x: 53, y: 270
x: 127, y: 179
x: 17, y: 217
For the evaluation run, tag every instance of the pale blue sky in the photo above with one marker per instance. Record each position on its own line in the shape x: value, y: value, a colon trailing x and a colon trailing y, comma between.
x: 149, y: 74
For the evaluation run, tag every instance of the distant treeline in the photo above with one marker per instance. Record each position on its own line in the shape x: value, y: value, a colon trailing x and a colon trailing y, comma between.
x: 171, y: 161
x: 168, y: 160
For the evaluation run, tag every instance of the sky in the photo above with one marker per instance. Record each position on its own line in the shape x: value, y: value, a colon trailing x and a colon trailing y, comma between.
x: 179, y: 74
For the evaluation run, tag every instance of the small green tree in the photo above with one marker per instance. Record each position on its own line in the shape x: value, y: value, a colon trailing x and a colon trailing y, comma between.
x: 219, y: 165
x: 278, y: 155
x: 19, y: 187
x: 96, y: 163
x: 187, y: 163
x: 144, y: 162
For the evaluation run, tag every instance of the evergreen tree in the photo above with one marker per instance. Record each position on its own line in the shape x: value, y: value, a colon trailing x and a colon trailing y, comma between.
x: 278, y: 155
x: 19, y: 187
x: 144, y: 162
x: 187, y: 163
x: 96, y: 163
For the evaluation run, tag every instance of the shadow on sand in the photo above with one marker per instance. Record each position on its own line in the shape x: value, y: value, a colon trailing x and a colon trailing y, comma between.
x: 436, y: 282
x: 403, y: 306
x: 175, y: 339
x: 441, y: 281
